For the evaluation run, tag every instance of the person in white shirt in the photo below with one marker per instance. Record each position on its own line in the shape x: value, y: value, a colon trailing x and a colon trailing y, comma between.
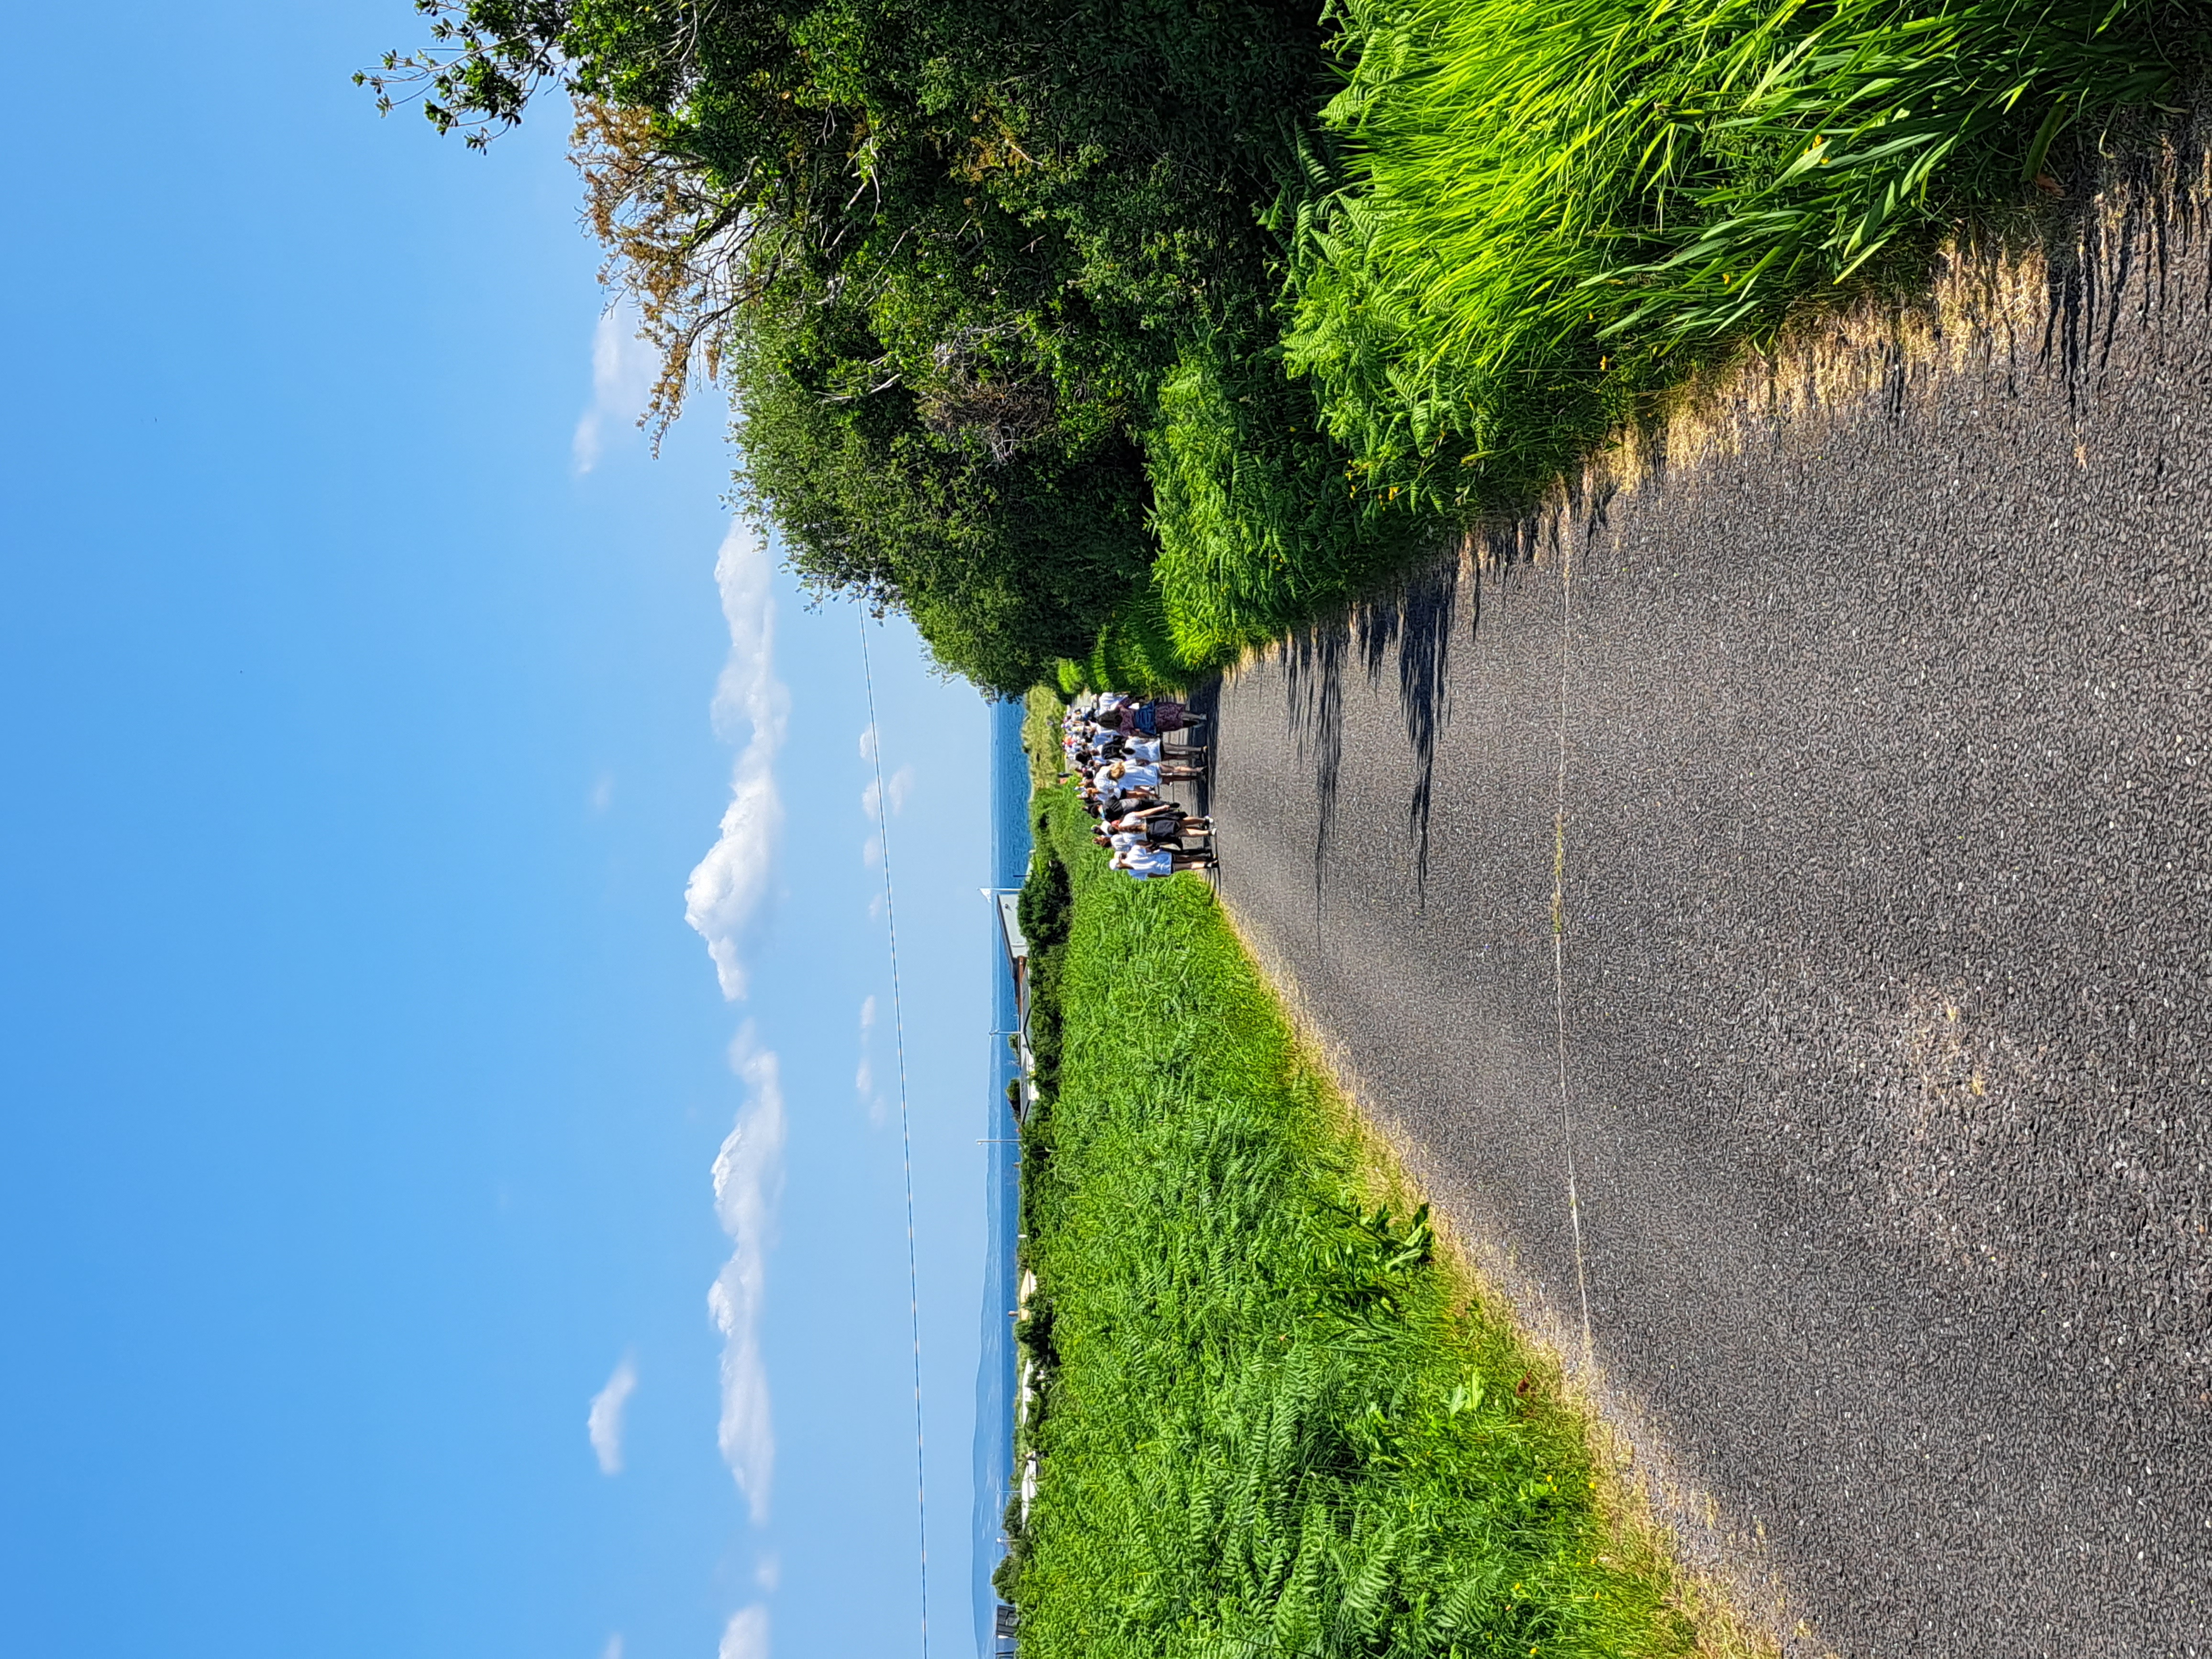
x: 1138, y: 775
x: 1154, y: 861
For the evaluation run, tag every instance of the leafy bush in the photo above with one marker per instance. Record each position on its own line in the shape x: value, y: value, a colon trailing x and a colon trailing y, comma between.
x: 1005, y: 563
x: 1041, y: 909
x: 1135, y: 649
x: 1259, y: 518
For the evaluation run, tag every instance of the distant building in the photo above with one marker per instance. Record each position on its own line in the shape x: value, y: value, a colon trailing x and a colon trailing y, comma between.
x: 1009, y: 900
x: 1018, y: 947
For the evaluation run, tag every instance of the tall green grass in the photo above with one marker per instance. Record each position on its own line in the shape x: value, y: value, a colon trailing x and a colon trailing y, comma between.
x: 1543, y: 206
x: 1259, y: 518
x: 1271, y: 1423
x: 1135, y: 650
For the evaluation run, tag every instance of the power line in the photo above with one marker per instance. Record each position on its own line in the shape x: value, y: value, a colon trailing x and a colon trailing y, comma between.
x: 906, y: 1126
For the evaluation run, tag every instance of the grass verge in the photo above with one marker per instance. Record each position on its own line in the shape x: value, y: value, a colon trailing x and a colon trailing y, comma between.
x: 1547, y: 213
x: 1042, y: 710
x: 1270, y: 1421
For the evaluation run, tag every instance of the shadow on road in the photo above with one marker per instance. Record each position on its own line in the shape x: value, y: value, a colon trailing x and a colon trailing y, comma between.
x: 1313, y: 682
x: 1417, y: 625
x: 2136, y: 246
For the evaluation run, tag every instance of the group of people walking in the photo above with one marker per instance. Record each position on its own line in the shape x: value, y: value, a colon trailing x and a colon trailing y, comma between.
x: 1116, y: 750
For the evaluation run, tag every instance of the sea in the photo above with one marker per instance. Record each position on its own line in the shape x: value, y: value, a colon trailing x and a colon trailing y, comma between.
x: 995, y: 1372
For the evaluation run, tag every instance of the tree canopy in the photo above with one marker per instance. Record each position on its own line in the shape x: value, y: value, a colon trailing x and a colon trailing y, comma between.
x: 944, y: 256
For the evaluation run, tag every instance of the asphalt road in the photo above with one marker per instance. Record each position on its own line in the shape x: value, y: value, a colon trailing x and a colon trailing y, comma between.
x: 1873, y: 758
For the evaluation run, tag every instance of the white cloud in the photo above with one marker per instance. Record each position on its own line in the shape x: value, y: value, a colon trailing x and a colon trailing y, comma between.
x: 614, y: 1647
x: 727, y: 891
x: 748, y: 1179
x: 747, y: 1635
x: 864, y: 1080
x: 893, y: 788
x: 896, y: 789
x: 624, y: 369
x: 605, y: 1423
x: 602, y: 792
x: 723, y: 900
x: 769, y: 1573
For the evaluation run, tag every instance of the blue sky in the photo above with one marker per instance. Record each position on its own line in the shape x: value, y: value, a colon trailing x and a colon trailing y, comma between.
x: 370, y: 698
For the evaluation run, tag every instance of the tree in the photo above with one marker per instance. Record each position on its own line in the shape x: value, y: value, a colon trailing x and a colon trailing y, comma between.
x: 945, y: 256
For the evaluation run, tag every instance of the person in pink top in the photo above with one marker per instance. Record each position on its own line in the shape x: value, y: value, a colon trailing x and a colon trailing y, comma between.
x: 1161, y: 715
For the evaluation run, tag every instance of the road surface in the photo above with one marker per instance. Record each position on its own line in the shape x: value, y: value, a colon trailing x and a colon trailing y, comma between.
x: 1864, y: 765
